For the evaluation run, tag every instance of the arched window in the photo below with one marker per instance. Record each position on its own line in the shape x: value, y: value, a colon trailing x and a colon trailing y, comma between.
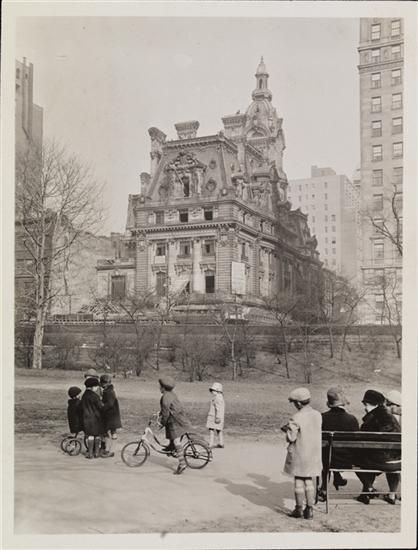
x: 260, y: 83
x: 186, y: 186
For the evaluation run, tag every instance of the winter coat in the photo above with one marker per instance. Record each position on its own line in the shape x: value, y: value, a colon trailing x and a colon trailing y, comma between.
x: 378, y: 420
x: 216, y: 412
x: 337, y: 419
x: 396, y: 411
x: 305, y: 441
x: 172, y: 416
x: 92, y: 410
x: 111, y: 412
x: 74, y: 415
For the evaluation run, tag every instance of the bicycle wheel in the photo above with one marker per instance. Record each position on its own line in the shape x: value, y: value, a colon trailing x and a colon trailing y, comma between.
x: 73, y: 447
x: 135, y: 453
x: 197, y: 454
x: 63, y: 444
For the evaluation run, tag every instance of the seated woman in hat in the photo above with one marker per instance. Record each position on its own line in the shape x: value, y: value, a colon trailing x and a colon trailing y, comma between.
x: 173, y: 417
x: 378, y: 419
x: 337, y: 419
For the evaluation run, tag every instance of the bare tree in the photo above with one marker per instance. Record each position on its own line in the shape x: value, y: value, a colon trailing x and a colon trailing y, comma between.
x: 389, y: 288
x: 387, y: 222
x: 57, y: 200
x: 282, y: 305
x: 350, y: 297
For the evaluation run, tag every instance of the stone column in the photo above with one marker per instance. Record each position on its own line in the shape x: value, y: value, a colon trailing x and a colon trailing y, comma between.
x: 198, y: 276
x: 141, y: 265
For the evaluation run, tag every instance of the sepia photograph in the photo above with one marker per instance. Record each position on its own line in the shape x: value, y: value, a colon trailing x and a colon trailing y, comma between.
x: 211, y: 321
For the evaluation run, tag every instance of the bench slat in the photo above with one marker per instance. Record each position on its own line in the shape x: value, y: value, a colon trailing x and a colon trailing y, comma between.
x: 366, y: 445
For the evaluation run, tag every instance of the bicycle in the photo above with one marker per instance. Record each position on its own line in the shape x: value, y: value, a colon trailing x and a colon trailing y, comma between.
x: 197, y: 454
x: 71, y: 445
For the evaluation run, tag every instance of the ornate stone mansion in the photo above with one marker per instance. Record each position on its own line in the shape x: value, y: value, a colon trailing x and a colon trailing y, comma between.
x: 213, y: 216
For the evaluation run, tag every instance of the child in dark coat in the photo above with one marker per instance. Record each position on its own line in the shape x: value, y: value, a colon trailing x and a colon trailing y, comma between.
x: 92, y: 414
x: 74, y: 413
x: 111, y: 413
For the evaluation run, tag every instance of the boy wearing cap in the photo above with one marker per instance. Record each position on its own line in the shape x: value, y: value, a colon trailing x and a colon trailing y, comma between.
x: 216, y: 415
x: 111, y: 413
x: 337, y: 419
x: 303, y: 461
x: 173, y: 418
x: 92, y: 414
x: 74, y: 413
x: 378, y: 419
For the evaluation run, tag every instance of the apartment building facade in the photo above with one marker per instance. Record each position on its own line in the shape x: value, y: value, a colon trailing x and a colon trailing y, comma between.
x: 331, y: 203
x: 381, y: 62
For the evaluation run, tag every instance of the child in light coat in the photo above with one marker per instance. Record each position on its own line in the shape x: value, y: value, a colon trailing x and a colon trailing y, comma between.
x: 216, y: 415
x: 304, y: 458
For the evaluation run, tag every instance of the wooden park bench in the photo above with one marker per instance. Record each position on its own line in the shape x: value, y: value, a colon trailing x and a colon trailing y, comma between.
x: 356, y: 440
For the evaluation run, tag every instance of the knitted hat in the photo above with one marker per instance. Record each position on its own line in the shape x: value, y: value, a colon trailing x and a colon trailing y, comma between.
x: 91, y: 382
x: 167, y: 383
x: 216, y: 386
x: 300, y: 394
x: 394, y: 397
x: 336, y: 398
x: 373, y: 397
x: 105, y: 379
x: 91, y: 373
x: 74, y: 391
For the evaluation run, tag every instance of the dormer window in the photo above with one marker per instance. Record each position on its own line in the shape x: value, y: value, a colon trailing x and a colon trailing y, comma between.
x: 208, y: 214
x: 184, y: 216
x: 186, y: 186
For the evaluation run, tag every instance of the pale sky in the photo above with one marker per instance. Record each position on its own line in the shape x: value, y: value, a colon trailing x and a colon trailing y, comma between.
x: 103, y: 81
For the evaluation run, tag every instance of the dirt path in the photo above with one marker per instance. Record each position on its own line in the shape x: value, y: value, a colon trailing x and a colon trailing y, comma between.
x: 243, y: 489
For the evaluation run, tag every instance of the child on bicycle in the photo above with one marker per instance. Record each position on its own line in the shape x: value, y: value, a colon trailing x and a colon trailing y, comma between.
x: 74, y: 413
x: 304, y: 459
x: 173, y: 417
x: 111, y: 413
x: 215, y: 421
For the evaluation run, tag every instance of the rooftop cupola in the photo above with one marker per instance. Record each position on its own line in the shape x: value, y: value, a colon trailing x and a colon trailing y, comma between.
x: 261, y: 78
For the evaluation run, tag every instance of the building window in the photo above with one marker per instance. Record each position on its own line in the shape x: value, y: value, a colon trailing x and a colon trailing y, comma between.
x: 186, y: 186
x: 378, y: 225
x: 159, y: 217
x: 209, y: 283
x: 326, y: 240
x: 376, y: 104
x: 396, y: 28
x: 378, y: 251
x: 118, y: 287
x: 17, y: 73
x: 396, y: 101
x: 334, y: 251
x: 397, y: 125
x: 185, y: 249
x: 208, y: 248
x: 243, y: 252
x: 160, y: 249
x: 160, y: 287
x: 377, y: 152
x: 396, y: 51
x: 397, y: 150
x: 376, y: 128
x: 377, y: 178
x: 325, y: 184
x: 376, y: 80
x: 325, y: 207
x: 208, y: 214
x: 397, y: 175
x: 184, y: 216
x: 376, y: 55
x: 333, y: 228
x: 377, y: 202
x: 326, y: 229
x: 375, y: 31
x: 396, y: 77
x: 333, y: 217
x: 300, y: 188
x: 326, y: 218
x: 326, y: 196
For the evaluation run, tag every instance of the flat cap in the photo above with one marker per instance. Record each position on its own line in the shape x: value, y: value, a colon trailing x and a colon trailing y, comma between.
x: 300, y: 394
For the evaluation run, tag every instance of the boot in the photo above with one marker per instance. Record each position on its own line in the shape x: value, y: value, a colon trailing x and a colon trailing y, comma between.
x: 107, y: 452
x: 297, y: 512
x: 90, y: 447
x: 308, y: 512
x: 97, y: 447
x: 182, y: 463
x: 339, y: 480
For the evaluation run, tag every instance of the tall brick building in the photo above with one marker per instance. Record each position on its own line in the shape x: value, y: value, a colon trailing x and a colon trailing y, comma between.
x: 213, y: 216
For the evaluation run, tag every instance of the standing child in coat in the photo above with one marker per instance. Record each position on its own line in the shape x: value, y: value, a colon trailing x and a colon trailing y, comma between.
x: 215, y: 421
x: 92, y: 414
x: 111, y: 413
x: 75, y: 423
x: 304, y: 460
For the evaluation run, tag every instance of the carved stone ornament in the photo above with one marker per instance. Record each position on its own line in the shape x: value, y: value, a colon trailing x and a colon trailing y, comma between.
x: 182, y: 268
x: 141, y: 245
x: 212, y: 164
x: 211, y: 185
x: 163, y: 191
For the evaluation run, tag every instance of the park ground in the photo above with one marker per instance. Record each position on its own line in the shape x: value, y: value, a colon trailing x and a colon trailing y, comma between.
x: 243, y: 489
